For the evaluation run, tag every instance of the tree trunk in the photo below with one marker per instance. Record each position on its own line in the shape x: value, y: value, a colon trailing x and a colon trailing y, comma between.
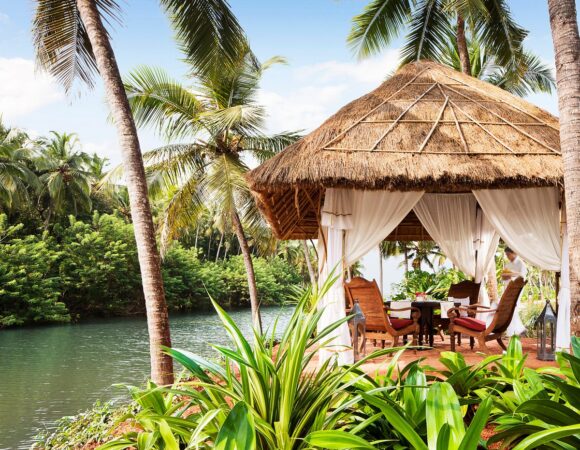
x: 196, y: 235
x: 245, y: 249
x: 209, y: 244
x: 149, y: 261
x: 567, y: 51
x: 492, y: 285
x: 217, y: 255
x: 406, y: 255
x: 462, y: 46
x: 311, y: 271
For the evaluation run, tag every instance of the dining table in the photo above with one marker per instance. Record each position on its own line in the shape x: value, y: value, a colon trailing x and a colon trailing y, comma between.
x: 427, y: 309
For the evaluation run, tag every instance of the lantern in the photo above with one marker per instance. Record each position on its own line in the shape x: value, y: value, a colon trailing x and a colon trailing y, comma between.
x: 357, y: 324
x: 546, y: 331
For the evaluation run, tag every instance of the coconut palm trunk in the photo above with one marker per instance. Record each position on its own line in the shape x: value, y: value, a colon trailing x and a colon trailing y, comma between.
x: 311, y: 271
x: 492, y: 284
x: 462, y: 46
x: 157, y: 318
x: 567, y: 52
x: 245, y: 249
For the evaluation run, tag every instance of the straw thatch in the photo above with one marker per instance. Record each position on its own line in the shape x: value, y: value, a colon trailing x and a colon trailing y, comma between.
x: 426, y: 128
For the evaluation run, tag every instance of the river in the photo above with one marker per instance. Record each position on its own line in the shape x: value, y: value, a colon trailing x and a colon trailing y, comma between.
x: 53, y: 371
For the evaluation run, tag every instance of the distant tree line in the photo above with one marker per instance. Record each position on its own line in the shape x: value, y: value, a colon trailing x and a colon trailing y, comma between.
x: 67, y: 248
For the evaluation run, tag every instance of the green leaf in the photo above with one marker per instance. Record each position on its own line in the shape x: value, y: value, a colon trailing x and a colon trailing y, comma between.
x: 337, y: 439
x: 471, y: 438
x: 237, y: 432
x: 538, y: 439
x: 397, y: 421
x: 550, y: 412
x: 443, y: 408
x: 167, y: 436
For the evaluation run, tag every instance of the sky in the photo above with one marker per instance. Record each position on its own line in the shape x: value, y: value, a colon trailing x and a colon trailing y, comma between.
x: 322, y: 73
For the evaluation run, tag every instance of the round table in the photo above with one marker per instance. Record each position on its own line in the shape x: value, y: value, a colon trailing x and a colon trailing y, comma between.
x: 426, y: 321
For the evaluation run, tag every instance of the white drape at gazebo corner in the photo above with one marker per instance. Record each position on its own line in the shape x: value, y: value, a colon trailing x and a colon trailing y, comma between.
x: 528, y: 220
x: 355, y: 221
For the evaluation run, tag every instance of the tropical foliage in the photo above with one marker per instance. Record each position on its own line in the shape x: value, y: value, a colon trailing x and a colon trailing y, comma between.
x: 90, y: 268
x: 262, y: 396
x: 434, y: 284
x: 437, y: 29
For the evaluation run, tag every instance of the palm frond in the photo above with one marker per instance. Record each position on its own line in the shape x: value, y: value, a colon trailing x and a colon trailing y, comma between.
x: 264, y: 147
x: 499, y: 32
x: 182, y: 211
x: 428, y: 32
x: 526, y: 75
x: 61, y: 43
x: 208, y: 33
x: 158, y: 101
x: 378, y: 25
x: 224, y: 183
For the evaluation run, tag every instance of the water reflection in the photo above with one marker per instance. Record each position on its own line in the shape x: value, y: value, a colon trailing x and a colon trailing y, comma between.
x: 49, y: 372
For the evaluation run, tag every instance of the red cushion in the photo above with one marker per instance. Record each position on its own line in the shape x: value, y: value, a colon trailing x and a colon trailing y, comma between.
x: 471, y: 323
x: 400, y: 323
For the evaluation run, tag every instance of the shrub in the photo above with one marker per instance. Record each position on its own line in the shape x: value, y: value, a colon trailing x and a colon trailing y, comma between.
x: 29, y: 291
x: 89, y: 427
x: 99, y: 270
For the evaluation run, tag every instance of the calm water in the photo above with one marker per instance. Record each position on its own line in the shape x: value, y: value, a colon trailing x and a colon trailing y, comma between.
x: 54, y: 371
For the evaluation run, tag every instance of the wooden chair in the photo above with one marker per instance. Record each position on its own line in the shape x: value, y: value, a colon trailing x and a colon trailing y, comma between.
x: 463, y: 289
x: 499, y: 324
x: 379, y: 326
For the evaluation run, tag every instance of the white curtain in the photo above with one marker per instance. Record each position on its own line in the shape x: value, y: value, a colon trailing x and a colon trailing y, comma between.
x: 528, y: 220
x: 563, y: 324
x: 336, y: 218
x: 463, y: 232
x: 375, y: 214
x: 487, y: 240
x: 450, y: 219
x: 354, y: 222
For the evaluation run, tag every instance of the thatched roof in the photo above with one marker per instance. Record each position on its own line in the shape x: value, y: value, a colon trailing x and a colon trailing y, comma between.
x: 428, y: 127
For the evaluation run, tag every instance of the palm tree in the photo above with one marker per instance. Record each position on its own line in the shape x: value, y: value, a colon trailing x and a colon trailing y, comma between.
x: 525, y: 75
x: 16, y: 177
x: 63, y: 171
x: 395, y: 248
x: 430, y: 24
x: 223, y: 122
x: 72, y: 44
x: 564, y: 24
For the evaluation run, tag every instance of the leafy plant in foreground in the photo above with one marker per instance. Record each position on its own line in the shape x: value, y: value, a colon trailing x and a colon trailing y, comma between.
x: 263, y: 396
x: 543, y: 411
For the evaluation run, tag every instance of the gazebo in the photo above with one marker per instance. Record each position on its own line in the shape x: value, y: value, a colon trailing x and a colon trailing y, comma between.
x: 430, y: 154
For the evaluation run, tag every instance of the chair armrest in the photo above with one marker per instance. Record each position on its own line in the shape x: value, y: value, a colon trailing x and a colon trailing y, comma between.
x: 476, y: 305
x: 415, y: 312
x: 453, y: 313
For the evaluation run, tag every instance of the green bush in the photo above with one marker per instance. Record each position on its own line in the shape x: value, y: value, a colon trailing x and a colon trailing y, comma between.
x: 29, y: 289
x: 434, y: 284
x: 99, y: 270
x: 86, y: 428
x: 188, y: 281
x: 90, y: 268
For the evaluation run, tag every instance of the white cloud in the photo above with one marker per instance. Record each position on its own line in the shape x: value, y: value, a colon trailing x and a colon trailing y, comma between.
x: 4, y: 18
x: 318, y: 90
x: 22, y: 90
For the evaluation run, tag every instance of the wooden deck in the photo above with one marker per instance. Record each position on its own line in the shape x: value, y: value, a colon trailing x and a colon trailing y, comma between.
x: 431, y: 356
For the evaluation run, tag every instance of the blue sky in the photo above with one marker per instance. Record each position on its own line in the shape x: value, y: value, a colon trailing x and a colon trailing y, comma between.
x: 322, y: 74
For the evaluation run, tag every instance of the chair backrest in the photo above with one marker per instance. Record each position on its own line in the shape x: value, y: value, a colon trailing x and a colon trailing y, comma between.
x: 465, y: 289
x: 370, y: 300
x: 507, y: 305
